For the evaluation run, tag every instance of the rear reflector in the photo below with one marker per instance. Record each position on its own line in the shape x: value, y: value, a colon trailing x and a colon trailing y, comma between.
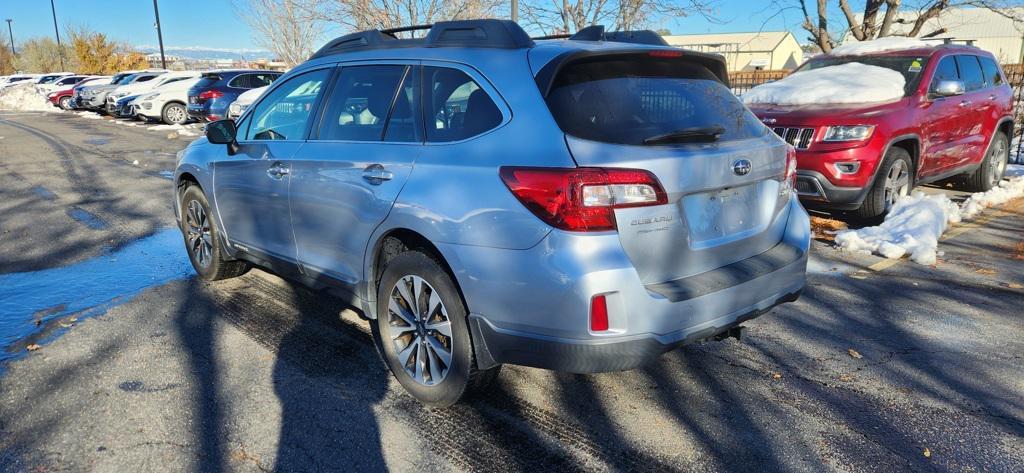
x: 582, y: 199
x: 598, y: 314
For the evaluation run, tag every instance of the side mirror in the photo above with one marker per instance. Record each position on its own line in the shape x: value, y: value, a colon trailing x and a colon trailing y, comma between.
x: 948, y: 88
x: 223, y: 132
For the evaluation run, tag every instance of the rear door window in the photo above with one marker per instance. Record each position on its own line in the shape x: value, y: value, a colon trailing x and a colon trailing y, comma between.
x: 360, y: 102
x: 633, y: 99
x: 992, y: 75
x: 456, y: 106
x: 970, y: 72
x: 285, y: 113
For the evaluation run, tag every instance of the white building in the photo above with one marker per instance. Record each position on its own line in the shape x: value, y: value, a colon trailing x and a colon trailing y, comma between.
x: 767, y: 50
x: 984, y: 28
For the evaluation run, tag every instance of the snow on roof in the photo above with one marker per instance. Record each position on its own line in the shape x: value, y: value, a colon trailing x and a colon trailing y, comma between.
x: 846, y: 83
x: 755, y: 41
x: 890, y: 43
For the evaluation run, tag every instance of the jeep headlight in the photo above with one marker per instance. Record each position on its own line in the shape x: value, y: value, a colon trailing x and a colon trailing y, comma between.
x: 848, y: 133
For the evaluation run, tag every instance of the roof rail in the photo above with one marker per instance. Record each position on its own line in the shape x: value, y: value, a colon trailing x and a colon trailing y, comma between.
x: 598, y: 33
x: 485, y: 33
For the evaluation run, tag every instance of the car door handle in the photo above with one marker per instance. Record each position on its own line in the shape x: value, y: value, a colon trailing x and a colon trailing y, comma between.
x: 278, y: 171
x: 992, y: 97
x: 965, y: 103
x: 376, y: 174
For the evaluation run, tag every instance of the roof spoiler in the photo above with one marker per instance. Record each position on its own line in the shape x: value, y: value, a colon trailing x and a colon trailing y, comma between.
x: 598, y: 33
x: 485, y: 33
x: 713, y: 62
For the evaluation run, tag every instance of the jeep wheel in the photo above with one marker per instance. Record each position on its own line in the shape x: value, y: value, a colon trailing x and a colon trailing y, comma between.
x: 895, y: 179
x: 992, y: 167
x: 174, y: 114
x: 202, y: 239
x: 422, y: 332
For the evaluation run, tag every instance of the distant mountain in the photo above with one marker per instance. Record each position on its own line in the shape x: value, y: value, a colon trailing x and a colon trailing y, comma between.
x: 205, y: 53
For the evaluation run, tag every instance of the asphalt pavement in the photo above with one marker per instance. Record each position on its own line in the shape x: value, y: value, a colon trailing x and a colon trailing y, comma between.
x: 117, y: 358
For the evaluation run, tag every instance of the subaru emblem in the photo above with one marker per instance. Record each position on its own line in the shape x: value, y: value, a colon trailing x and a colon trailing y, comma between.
x: 741, y: 167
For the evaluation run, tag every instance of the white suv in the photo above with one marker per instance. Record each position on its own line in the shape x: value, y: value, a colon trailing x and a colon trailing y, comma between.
x: 167, y: 100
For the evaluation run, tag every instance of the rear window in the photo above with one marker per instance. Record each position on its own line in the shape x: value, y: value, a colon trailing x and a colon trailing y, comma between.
x: 630, y: 100
x: 207, y: 81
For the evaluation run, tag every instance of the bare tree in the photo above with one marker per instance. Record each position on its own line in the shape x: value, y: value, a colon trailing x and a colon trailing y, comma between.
x: 288, y: 28
x: 565, y: 16
x: 877, y: 22
x: 368, y: 14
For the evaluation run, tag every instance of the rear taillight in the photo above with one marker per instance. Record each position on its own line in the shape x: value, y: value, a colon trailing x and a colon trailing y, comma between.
x: 582, y: 199
x: 211, y: 94
x: 599, y: 313
x: 789, y: 177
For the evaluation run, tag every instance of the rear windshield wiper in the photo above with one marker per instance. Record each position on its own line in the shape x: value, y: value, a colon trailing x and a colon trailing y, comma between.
x: 697, y: 134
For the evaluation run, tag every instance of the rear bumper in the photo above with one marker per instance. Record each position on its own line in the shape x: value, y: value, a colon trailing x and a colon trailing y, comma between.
x: 531, y: 307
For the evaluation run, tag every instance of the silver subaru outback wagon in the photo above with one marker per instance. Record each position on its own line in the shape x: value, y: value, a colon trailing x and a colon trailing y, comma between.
x: 582, y: 204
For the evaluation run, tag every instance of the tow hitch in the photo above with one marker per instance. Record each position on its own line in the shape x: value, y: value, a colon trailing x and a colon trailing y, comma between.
x: 734, y: 332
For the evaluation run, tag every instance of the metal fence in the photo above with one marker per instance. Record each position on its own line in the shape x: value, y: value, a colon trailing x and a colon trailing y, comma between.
x: 743, y: 81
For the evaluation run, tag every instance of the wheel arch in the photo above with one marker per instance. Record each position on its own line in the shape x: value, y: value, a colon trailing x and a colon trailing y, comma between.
x: 392, y: 243
x: 909, y: 143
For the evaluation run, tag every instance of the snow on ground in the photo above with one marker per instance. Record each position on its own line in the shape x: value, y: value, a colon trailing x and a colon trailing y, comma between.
x: 846, y: 83
x: 23, y: 97
x: 916, y: 222
x: 889, y: 43
x: 183, y: 130
x: 89, y: 115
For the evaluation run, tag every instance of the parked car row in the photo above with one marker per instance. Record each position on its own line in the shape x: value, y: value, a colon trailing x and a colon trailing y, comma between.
x: 174, y: 98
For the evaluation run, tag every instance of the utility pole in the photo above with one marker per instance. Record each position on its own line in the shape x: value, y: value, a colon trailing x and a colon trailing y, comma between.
x: 159, y: 36
x: 56, y: 31
x: 515, y: 11
x: 9, y: 30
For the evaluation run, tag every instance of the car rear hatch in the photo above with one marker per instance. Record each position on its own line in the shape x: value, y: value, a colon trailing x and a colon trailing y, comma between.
x: 207, y: 82
x: 725, y: 176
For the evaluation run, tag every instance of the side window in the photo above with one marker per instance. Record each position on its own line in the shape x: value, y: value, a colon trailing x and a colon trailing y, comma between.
x: 145, y: 78
x: 946, y: 70
x: 992, y: 75
x: 284, y: 113
x: 358, y: 106
x: 240, y: 81
x: 260, y: 80
x: 970, y: 71
x: 456, y: 107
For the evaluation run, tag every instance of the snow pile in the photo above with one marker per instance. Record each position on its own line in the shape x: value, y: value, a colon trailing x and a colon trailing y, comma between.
x: 182, y: 130
x: 916, y: 222
x: 89, y: 115
x: 889, y: 43
x: 23, y: 97
x: 846, y: 83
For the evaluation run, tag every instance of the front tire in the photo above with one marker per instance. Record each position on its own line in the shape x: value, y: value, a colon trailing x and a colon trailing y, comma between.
x: 174, y: 114
x: 422, y: 332
x: 895, y: 179
x: 203, y: 240
x: 65, y: 103
x: 992, y: 167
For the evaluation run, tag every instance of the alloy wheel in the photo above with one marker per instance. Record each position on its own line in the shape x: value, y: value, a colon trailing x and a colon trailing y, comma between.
x: 176, y: 115
x: 420, y: 330
x: 897, y: 183
x: 200, y: 241
x: 997, y: 162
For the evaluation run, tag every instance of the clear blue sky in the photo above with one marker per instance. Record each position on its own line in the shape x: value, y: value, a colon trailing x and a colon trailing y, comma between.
x: 215, y: 23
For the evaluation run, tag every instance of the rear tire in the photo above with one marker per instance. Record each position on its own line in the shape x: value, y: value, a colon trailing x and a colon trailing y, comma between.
x: 992, y: 167
x: 174, y: 114
x: 203, y: 241
x: 894, y: 179
x: 421, y: 321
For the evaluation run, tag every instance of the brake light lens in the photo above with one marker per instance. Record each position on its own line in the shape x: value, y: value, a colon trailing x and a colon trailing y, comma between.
x: 599, y: 314
x: 789, y: 177
x: 665, y: 53
x: 582, y: 199
x: 211, y: 94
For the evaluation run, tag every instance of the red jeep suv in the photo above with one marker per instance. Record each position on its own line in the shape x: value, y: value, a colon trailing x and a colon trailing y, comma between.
x: 954, y: 120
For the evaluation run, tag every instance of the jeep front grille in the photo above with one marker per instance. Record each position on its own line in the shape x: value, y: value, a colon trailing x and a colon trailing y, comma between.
x: 800, y: 138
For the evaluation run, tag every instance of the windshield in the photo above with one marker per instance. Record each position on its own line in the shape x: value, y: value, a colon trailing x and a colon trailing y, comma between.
x: 640, y: 99
x: 911, y: 67
x: 127, y: 79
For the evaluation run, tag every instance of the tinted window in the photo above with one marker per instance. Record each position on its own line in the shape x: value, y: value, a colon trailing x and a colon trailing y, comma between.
x: 456, y: 108
x: 946, y: 70
x: 145, y: 78
x: 252, y: 81
x: 910, y: 67
x: 991, y: 70
x: 207, y: 81
x: 970, y: 72
x: 629, y: 100
x: 284, y: 113
x: 358, y: 107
